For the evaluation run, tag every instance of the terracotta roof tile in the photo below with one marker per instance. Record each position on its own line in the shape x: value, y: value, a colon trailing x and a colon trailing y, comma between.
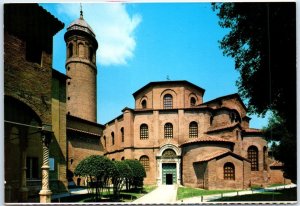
x: 252, y: 130
x: 82, y: 131
x: 276, y: 163
x: 207, y: 139
x: 227, y: 126
x: 210, y: 156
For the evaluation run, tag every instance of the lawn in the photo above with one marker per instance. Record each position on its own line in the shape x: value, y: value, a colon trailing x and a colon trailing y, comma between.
x: 279, y: 195
x: 186, y: 192
x: 125, y: 196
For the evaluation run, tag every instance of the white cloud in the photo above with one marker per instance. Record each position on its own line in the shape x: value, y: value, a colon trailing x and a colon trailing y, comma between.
x: 114, y: 29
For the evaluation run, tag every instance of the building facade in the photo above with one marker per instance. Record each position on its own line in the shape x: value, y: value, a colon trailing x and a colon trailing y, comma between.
x: 182, y: 140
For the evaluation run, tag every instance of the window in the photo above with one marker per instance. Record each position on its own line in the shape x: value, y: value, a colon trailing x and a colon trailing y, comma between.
x: 229, y: 173
x: 253, y: 157
x: 193, y: 101
x: 168, y: 101
x: 122, y: 134
x: 193, y: 130
x: 265, y: 160
x: 91, y: 54
x: 168, y: 130
x: 144, y: 131
x: 32, y: 165
x: 169, y: 153
x: 112, y: 138
x: 144, y: 104
x: 70, y: 50
x: 144, y: 160
x: 123, y: 158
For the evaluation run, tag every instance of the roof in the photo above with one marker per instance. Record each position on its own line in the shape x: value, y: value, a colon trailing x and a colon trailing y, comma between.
x: 252, y: 130
x: 59, y: 75
x: 84, y: 132
x: 182, y: 82
x: 223, y: 127
x: 207, y: 139
x: 230, y: 96
x: 210, y: 156
x: 82, y: 25
x: 71, y: 117
x: 276, y: 163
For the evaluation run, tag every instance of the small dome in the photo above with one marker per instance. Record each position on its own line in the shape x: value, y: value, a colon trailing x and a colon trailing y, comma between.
x: 82, y: 25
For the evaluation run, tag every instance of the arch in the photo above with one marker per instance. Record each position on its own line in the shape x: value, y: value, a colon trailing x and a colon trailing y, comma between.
x: 168, y: 92
x: 192, y: 101
x: 169, y: 153
x: 144, y: 160
x: 144, y: 104
x: 70, y: 50
x: 123, y: 158
x: 253, y: 157
x: 112, y: 138
x: 169, y: 146
x: 144, y: 132
x: 122, y: 134
x: 229, y: 171
x: 193, y: 130
x: 168, y: 130
x: 81, y: 50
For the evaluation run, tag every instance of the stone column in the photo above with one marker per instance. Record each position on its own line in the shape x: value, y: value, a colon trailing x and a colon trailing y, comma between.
x: 45, y: 193
x: 23, y: 191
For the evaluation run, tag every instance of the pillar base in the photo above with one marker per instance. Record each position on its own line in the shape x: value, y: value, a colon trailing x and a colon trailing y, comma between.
x: 45, y: 196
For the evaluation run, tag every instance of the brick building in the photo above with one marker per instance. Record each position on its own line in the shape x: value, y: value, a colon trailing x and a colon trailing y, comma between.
x: 182, y: 140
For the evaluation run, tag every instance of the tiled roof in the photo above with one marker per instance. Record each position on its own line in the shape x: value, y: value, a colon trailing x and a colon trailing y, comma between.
x: 210, y: 156
x: 82, y: 131
x: 212, y: 129
x: 207, y: 139
x: 252, y: 130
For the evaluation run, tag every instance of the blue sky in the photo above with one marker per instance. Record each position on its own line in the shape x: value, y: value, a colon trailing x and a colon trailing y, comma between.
x: 144, y: 42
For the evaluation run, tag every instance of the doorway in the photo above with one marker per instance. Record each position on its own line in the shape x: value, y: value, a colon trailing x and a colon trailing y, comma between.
x: 169, y: 173
x: 169, y: 179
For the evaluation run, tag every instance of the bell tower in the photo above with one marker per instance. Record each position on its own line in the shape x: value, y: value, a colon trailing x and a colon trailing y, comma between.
x: 81, y: 67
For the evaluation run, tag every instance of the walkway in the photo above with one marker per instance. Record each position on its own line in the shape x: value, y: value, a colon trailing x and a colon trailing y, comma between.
x: 162, y: 194
x: 208, y: 198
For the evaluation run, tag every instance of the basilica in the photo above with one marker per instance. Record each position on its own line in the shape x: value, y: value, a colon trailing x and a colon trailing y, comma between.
x: 50, y: 121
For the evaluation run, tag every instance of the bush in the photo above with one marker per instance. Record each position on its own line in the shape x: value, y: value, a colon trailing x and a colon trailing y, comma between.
x: 138, y: 174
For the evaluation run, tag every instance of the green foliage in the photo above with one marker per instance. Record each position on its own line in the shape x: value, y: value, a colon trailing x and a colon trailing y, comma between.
x: 138, y: 174
x: 262, y: 41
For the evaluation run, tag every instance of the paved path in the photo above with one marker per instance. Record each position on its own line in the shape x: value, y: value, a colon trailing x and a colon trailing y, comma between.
x: 162, y: 194
x: 208, y: 198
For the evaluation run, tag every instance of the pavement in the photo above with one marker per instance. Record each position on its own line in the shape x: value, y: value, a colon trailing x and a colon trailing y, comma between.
x: 162, y: 194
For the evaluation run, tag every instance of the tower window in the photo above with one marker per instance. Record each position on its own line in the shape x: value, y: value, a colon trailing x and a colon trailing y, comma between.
x: 253, y: 157
x: 144, y: 131
x: 193, y: 101
x: 193, y: 130
x: 70, y: 51
x: 91, y: 54
x: 229, y: 171
x: 144, y: 104
x: 168, y: 101
x: 81, y: 50
x: 168, y: 130
x: 144, y: 160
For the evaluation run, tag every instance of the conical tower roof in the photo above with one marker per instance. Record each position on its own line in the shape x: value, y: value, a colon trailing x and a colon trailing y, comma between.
x: 82, y: 25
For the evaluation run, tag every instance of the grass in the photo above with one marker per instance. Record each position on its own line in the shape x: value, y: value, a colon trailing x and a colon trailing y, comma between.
x: 125, y: 196
x: 279, y: 195
x: 186, y: 192
x: 275, y: 185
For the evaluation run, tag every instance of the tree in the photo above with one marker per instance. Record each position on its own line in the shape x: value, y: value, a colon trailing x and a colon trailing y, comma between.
x: 121, y: 172
x: 98, y: 169
x: 138, y: 174
x: 262, y: 41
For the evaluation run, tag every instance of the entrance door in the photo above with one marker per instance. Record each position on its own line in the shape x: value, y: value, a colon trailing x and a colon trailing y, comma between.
x: 169, y: 173
x: 169, y: 179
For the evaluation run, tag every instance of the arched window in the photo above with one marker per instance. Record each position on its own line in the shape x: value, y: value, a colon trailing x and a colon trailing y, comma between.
x: 169, y: 153
x: 81, y: 52
x: 193, y: 128
x: 193, y: 101
x: 144, y: 160
x: 112, y: 138
x: 144, y: 104
x: 253, y: 157
x: 70, y: 50
x: 144, y: 131
x: 229, y: 173
x: 168, y: 101
x: 91, y: 54
x: 122, y: 134
x: 123, y: 158
x: 168, y: 130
